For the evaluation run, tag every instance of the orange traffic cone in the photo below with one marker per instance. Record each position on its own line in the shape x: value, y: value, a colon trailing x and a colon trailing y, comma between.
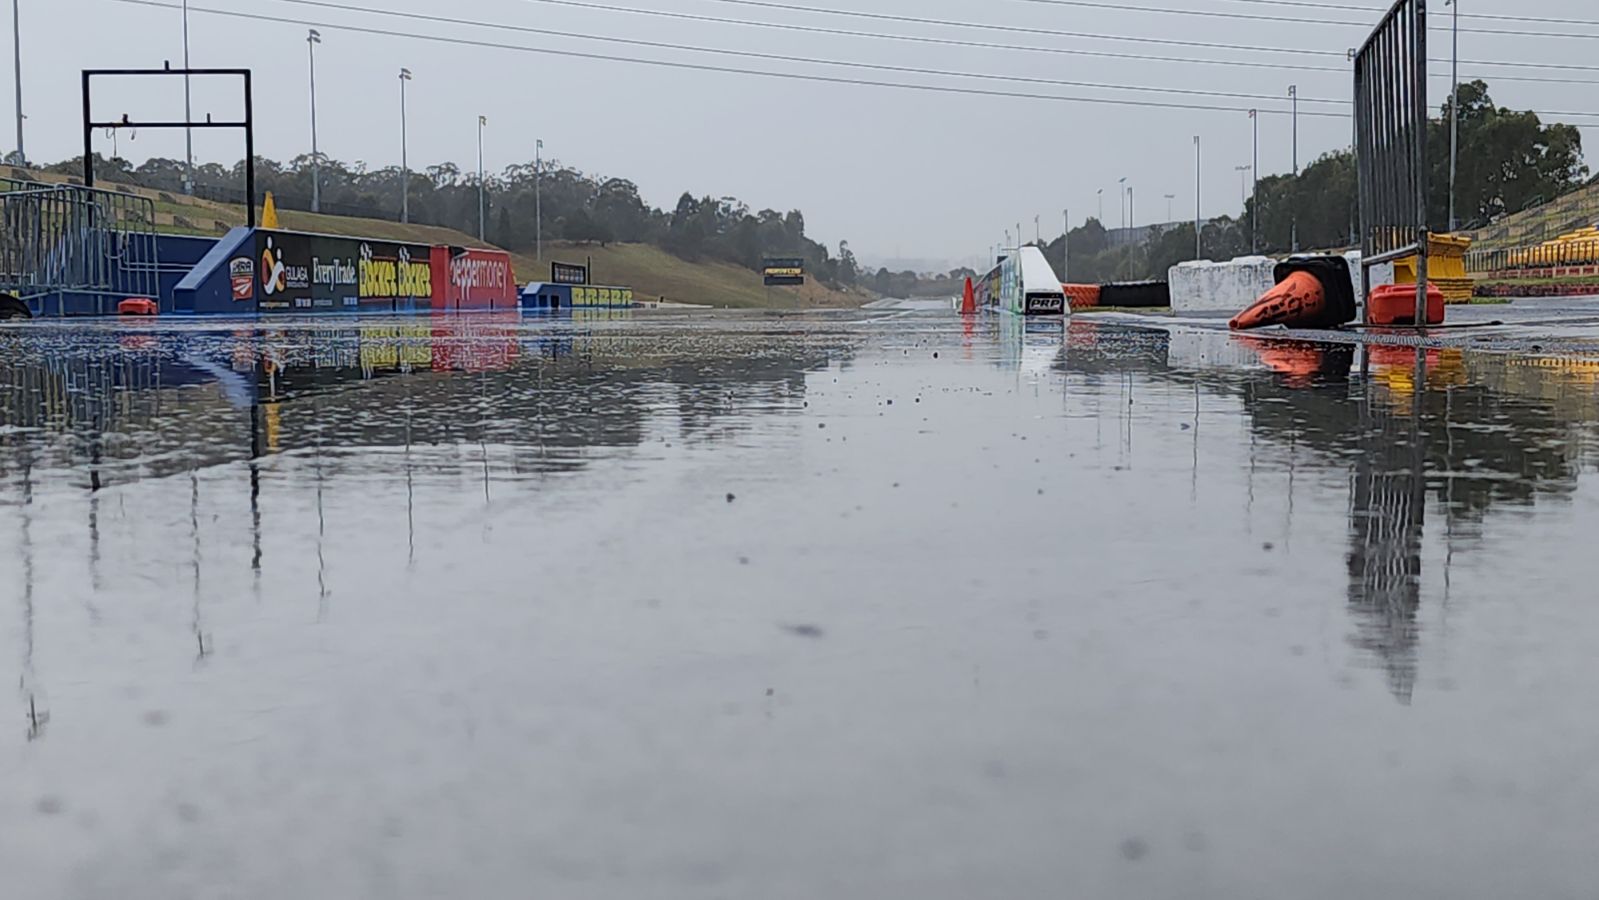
x: 1295, y: 300
x: 969, y: 299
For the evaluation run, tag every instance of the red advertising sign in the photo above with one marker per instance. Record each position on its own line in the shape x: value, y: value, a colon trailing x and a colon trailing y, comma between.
x: 477, y: 279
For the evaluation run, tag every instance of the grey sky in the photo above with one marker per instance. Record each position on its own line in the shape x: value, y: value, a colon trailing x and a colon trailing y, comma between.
x: 897, y: 173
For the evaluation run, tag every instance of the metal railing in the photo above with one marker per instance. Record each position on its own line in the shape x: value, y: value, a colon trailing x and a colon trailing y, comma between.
x: 1391, y: 143
x: 1543, y: 256
x: 80, y: 249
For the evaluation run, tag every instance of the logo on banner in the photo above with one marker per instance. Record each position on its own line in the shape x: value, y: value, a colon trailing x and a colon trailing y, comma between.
x: 241, y: 272
x: 277, y: 276
x: 469, y: 274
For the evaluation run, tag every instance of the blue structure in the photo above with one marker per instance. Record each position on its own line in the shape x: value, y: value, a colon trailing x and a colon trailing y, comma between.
x: 545, y: 297
x: 208, y: 285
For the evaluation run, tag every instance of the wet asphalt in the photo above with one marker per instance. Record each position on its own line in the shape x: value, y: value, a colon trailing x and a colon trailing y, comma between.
x: 872, y: 604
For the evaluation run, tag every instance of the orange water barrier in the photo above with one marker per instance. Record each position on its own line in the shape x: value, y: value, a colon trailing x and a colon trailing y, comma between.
x: 1082, y: 296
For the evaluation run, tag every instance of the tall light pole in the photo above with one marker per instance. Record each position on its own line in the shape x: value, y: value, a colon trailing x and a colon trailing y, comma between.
x: 1454, y: 112
x: 538, y: 198
x: 188, y: 110
x: 311, y: 40
x: 482, y: 202
x: 16, y: 37
x: 1038, y: 237
x: 1101, y: 219
x: 1243, y: 184
x: 1121, y: 197
x: 1199, y: 230
x: 1065, y: 244
x: 1132, y: 219
x: 1293, y: 95
x: 405, y: 161
x: 1169, y: 199
x: 1254, y: 191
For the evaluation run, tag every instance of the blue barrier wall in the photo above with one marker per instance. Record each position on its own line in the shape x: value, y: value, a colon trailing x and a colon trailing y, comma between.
x: 208, y: 288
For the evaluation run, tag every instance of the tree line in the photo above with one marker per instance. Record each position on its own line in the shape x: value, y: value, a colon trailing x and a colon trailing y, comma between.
x: 576, y: 206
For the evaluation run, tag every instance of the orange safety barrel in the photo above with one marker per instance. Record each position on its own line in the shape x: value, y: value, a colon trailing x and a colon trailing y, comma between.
x: 138, y: 306
x: 1395, y: 304
x: 1082, y: 296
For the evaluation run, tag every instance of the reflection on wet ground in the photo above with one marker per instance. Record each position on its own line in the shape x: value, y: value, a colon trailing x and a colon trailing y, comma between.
x: 871, y: 604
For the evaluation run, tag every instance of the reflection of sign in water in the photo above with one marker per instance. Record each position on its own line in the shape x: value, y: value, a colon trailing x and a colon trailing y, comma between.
x: 565, y: 273
x: 781, y: 272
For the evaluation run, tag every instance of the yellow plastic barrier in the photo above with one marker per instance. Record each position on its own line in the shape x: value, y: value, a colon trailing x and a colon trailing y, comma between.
x: 1446, y: 267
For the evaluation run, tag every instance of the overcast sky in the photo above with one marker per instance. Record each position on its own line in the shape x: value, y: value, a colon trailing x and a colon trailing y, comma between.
x: 900, y: 174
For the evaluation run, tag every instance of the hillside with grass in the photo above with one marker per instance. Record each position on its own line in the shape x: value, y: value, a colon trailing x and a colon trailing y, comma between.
x: 654, y: 274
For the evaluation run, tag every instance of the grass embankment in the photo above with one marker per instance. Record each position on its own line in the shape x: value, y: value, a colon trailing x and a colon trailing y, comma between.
x: 651, y: 272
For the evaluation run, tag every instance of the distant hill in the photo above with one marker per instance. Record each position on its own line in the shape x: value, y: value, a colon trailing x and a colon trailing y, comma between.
x: 653, y: 273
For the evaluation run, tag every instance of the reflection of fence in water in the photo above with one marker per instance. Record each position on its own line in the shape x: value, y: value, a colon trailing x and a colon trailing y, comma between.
x: 1386, y: 516
x: 63, y: 239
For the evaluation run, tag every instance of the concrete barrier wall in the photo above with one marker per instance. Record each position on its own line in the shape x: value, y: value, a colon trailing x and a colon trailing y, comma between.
x: 1212, y: 287
x: 1206, y: 286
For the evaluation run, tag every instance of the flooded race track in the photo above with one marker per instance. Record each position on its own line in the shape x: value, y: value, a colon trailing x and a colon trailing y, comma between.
x: 861, y: 605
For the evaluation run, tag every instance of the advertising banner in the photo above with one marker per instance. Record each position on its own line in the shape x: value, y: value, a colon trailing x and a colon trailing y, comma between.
x: 478, y: 279
x: 565, y: 273
x: 783, y: 272
x: 323, y: 273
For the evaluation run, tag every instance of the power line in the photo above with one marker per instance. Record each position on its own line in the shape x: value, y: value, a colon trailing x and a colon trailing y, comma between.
x: 1122, y: 7
x: 882, y: 67
x: 917, y: 20
x: 956, y: 42
x: 1379, y: 10
x: 701, y: 67
x: 914, y: 70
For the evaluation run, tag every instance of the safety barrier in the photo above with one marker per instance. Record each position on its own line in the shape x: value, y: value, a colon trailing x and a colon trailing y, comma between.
x: 68, y: 250
x: 1391, y: 119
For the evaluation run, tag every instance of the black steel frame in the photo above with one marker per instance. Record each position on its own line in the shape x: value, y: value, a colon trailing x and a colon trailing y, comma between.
x: 247, y: 124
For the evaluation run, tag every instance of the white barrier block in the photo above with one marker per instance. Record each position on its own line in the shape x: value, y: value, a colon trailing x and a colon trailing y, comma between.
x: 1205, y: 286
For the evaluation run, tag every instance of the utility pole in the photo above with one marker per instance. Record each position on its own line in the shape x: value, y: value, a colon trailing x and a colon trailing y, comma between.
x: 1101, y: 219
x: 1038, y: 237
x: 538, y: 198
x: 1121, y: 197
x: 1243, y: 183
x: 1169, y: 199
x: 1293, y: 95
x: 1254, y: 191
x: 1199, y: 231
x: 1132, y: 220
x: 16, y: 37
x: 1454, y: 113
x: 405, y: 162
x: 311, y: 40
x: 1065, y: 244
x: 188, y: 110
x: 482, y: 201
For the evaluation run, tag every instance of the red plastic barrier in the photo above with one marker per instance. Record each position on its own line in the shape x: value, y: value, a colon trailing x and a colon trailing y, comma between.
x: 1395, y: 304
x: 475, y: 279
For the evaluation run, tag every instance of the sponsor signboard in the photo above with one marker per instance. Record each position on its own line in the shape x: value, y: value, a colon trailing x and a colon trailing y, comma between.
x: 323, y: 273
x: 565, y: 273
x: 478, y: 279
x: 783, y: 272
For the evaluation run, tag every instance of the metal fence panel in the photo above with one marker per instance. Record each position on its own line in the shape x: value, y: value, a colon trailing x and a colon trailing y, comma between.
x: 68, y: 244
x: 1391, y: 142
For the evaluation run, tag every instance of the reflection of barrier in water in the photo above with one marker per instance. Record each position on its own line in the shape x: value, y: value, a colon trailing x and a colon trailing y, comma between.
x: 1387, y: 512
